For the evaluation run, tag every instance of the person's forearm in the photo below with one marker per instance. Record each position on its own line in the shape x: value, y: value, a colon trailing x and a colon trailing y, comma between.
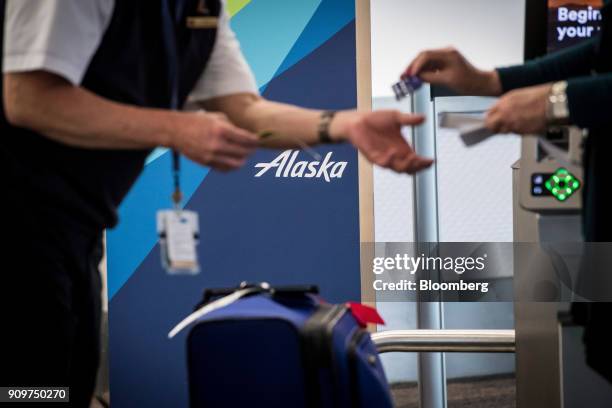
x: 377, y: 135
x: 281, y: 123
x: 572, y: 62
x: 74, y: 116
x: 488, y: 84
x: 590, y: 99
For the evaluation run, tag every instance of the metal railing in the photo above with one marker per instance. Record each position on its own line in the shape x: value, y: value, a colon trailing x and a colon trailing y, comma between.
x: 447, y: 341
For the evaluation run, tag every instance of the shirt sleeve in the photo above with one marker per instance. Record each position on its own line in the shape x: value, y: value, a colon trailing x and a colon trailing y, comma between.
x: 589, y: 101
x: 227, y: 71
x: 569, y: 63
x: 58, y: 36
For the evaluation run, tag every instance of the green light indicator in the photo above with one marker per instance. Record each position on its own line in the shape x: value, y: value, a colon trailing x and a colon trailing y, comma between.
x: 562, y: 184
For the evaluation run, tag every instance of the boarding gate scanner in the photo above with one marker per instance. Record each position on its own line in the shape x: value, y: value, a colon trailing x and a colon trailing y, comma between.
x: 545, y: 197
x: 550, y: 366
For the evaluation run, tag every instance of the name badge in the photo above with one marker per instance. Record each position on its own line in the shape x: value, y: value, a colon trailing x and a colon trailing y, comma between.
x: 203, y: 21
x: 179, y: 235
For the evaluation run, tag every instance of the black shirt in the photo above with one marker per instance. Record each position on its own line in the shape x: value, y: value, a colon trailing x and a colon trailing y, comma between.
x: 588, y: 70
x: 148, y: 57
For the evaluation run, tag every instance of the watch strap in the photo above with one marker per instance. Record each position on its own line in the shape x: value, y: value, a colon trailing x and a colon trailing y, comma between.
x: 324, y: 124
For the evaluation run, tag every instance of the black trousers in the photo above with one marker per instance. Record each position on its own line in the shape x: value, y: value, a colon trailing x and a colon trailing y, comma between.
x: 49, y: 302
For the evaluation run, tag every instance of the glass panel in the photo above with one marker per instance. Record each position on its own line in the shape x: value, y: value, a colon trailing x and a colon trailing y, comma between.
x: 394, y: 222
x: 474, y: 185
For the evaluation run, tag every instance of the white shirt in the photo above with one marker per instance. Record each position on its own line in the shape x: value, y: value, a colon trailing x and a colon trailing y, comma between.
x: 62, y: 36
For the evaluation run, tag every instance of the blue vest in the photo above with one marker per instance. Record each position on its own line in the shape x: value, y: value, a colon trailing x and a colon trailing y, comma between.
x: 148, y: 57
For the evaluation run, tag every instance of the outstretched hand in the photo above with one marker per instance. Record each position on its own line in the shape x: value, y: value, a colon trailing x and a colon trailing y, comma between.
x: 378, y: 136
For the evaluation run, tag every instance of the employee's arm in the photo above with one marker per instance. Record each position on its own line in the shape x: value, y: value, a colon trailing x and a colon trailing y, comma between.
x: 523, y: 110
x: 72, y: 115
x: 572, y: 62
x: 590, y: 101
x: 525, y: 88
x: 376, y: 134
x: 449, y: 68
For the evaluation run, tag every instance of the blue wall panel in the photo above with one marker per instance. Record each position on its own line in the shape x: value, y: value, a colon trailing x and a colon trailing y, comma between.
x: 275, y: 229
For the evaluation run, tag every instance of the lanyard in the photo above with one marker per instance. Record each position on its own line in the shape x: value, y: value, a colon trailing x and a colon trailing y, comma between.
x: 177, y: 195
x: 173, y: 73
x: 178, y: 229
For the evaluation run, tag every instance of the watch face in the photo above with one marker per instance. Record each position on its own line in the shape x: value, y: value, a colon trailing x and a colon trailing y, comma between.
x: 557, y: 111
x: 558, y: 88
x: 560, y: 108
x: 557, y: 102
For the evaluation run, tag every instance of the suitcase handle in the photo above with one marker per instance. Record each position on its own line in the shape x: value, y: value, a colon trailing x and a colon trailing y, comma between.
x: 211, y: 307
x: 229, y: 296
x: 295, y: 290
x: 262, y: 287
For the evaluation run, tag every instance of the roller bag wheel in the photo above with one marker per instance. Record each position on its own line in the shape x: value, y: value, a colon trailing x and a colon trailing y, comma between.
x: 283, y: 347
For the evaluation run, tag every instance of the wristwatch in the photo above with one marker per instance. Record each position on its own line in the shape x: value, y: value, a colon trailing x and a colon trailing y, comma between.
x: 557, y: 112
x: 324, y: 124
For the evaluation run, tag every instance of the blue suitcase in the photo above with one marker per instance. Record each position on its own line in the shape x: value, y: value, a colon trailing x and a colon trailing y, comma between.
x: 281, y: 347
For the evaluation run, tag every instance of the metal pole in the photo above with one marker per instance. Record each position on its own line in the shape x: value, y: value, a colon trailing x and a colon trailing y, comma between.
x: 452, y: 341
x: 538, y: 371
x: 431, y: 368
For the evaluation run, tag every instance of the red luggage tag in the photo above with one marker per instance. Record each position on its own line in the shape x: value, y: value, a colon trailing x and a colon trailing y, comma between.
x: 364, y: 314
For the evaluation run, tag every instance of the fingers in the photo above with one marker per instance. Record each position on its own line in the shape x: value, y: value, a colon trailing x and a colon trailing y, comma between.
x: 422, y: 59
x: 232, y: 133
x: 233, y: 150
x: 380, y: 140
x: 419, y: 163
x: 493, y: 122
x: 445, y: 66
x: 401, y: 159
x: 226, y: 156
x: 409, y: 71
x: 416, y: 67
x: 227, y: 163
x: 431, y: 60
x: 392, y: 118
x: 220, y: 116
x: 241, y: 137
x: 407, y: 119
x: 497, y: 121
x: 410, y: 163
x: 210, y: 139
x: 230, y: 146
x: 234, y: 142
x: 434, y: 77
